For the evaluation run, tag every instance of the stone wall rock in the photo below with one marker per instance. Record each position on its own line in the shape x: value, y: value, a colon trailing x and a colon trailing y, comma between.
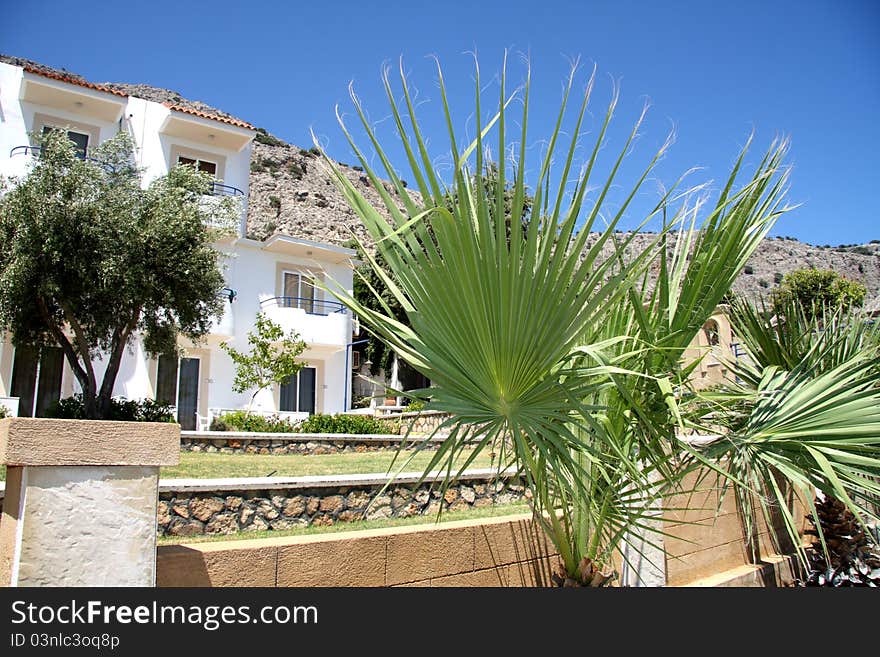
x: 221, y: 512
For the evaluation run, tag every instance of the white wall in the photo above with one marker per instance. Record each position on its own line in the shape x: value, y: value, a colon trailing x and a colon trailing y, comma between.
x: 250, y: 269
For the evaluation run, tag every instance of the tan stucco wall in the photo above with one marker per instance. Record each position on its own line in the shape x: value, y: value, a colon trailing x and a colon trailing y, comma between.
x: 508, y: 551
x: 497, y: 552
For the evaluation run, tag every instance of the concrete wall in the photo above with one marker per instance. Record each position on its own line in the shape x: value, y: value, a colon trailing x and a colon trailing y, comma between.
x: 506, y: 551
x: 707, y: 551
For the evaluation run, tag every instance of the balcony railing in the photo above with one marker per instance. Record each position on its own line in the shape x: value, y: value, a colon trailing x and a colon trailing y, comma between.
x: 219, y: 189
x: 311, y: 306
x: 34, y: 151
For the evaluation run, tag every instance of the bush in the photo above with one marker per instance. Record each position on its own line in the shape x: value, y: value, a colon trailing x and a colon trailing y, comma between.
x: 748, y: 269
x: 3, y: 412
x: 121, y: 410
x: 777, y: 277
x: 359, y: 424
x: 256, y: 423
x: 263, y: 137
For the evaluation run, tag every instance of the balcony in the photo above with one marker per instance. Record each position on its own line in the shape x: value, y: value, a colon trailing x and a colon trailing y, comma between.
x: 34, y: 151
x: 319, y: 323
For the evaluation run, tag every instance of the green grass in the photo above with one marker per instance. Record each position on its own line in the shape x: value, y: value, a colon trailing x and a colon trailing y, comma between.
x: 448, y: 516
x: 210, y: 466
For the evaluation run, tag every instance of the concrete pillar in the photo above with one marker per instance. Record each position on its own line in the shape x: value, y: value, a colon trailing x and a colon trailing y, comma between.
x: 81, y: 498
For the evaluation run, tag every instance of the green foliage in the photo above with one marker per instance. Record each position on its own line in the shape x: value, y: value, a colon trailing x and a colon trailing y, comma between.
x: 807, y: 412
x: 542, y: 349
x: 359, y: 424
x: 3, y: 412
x: 815, y: 289
x: 271, y: 360
x: 88, y: 258
x: 251, y: 422
x: 777, y: 277
x: 263, y: 137
x: 121, y: 409
x: 296, y: 169
x: 275, y: 204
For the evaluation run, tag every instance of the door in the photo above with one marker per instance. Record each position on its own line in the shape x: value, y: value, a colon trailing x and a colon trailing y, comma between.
x: 36, y: 379
x: 298, y: 394
x: 307, y: 390
x: 299, y: 291
x: 49, y: 383
x: 24, y: 379
x: 188, y: 393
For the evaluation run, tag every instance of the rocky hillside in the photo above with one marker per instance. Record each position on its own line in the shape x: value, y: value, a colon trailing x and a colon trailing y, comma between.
x: 289, y: 193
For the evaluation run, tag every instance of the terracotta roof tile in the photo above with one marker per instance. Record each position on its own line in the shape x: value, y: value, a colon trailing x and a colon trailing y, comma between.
x: 205, y: 115
x: 74, y: 80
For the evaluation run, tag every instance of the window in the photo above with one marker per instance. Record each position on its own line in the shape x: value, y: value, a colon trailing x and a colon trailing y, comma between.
x: 298, y: 393
x: 355, y: 360
x: 80, y: 140
x: 299, y: 291
x: 710, y: 329
x: 205, y: 166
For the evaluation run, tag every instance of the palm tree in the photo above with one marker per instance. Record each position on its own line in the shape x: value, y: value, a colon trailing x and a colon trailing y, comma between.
x: 554, y: 350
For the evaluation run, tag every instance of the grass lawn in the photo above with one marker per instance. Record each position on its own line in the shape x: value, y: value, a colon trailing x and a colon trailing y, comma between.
x: 212, y: 466
x: 209, y: 466
x: 448, y: 516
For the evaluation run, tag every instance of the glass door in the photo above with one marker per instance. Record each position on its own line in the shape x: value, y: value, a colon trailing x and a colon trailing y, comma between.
x: 188, y: 393
x: 36, y: 379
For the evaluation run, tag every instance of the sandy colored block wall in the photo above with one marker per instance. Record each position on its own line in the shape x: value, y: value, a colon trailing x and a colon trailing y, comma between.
x: 508, y: 551
x: 504, y: 551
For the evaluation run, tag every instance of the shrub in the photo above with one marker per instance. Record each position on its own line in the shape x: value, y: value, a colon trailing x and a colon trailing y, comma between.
x: 296, y: 170
x: 121, y: 409
x: 359, y: 424
x: 254, y: 422
x: 275, y: 204
x: 3, y: 412
x: 777, y: 277
x: 763, y: 283
x: 813, y: 287
x: 748, y: 269
x: 263, y: 137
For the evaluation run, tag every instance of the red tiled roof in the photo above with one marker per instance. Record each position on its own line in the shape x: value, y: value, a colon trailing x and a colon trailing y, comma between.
x: 74, y: 80
x: 205, y: 115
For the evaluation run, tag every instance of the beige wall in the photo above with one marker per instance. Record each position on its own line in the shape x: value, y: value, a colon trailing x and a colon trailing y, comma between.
x: 497, y: 552
x: 508, y: 551
x: 712, y: 369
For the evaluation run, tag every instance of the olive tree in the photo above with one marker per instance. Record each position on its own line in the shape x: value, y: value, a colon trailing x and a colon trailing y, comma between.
x: 89, y: 259
x: 272, y: 357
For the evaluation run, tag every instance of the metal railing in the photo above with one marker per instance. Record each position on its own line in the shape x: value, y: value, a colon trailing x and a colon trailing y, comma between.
x: 219, y: 189
x: 34, y: 151
x: 311, y: 306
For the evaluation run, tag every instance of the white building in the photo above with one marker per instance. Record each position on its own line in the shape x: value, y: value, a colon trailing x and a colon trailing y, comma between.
x: 276, y: 276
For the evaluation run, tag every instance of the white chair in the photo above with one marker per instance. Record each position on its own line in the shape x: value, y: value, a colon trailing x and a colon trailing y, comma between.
x: 203, y: 422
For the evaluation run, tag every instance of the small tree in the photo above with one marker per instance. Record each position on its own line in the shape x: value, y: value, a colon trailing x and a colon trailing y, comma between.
x: 272, y: 357
x: 814, y: 289
x: 89, y: 259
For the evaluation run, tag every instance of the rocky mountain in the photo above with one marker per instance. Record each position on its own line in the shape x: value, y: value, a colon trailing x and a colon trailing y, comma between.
x: 290, y: 193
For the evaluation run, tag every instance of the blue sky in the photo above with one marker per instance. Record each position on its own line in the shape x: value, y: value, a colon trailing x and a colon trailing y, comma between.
x: 713, y: 70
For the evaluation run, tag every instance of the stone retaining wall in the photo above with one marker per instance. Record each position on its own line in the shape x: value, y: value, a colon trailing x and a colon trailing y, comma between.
x: 235, y: 442
x: 423, y: 422
x: 263, y: 505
